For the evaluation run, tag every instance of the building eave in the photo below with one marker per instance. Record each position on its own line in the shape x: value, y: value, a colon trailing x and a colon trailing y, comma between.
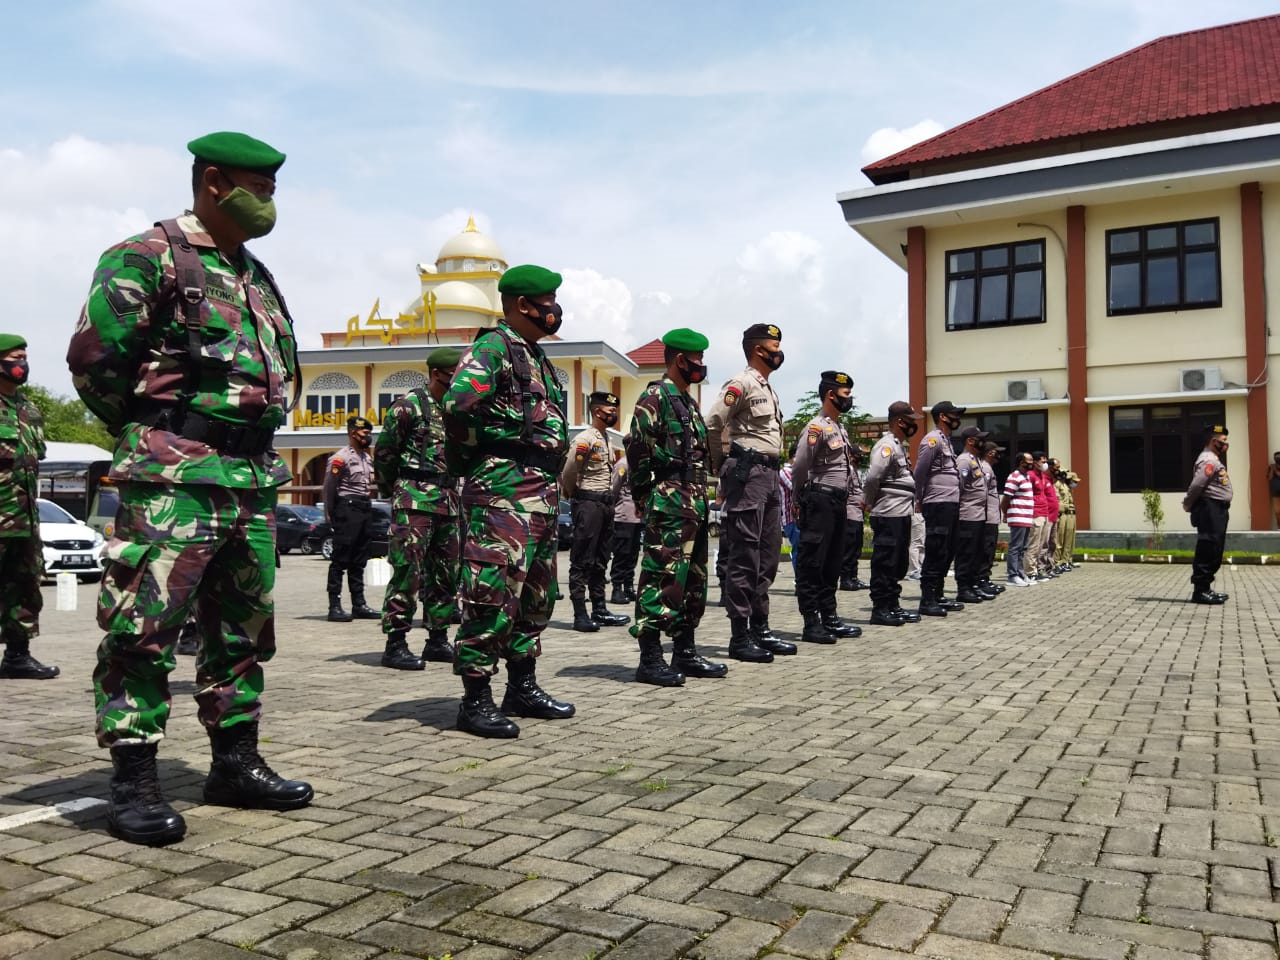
x: 1182, y: 396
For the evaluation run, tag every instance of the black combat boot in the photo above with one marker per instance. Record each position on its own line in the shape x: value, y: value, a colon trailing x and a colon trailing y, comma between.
x: 362, y: 611
x: 582, y: 621
x: 814, y: 630
x: 397, y: 655
x: 906, y: 616
x: 239, y: 777
x: 478, y: 713
x: 137, y: 811
x: 945, y: 602
x: 525, y: 698
x: 685, y: 658
x: 741, y: 644
x: 19, y: 664
x: 601, y: 615
x: 653, y: 668
x: 619, y: 594
x: 884, y: 616
x: 336, y: 613
x: 631, y: 594
x: 846, y: 583
x: 860, y: 584
x: 991, y: 587
x: 764, y: 637
x: 839, y: 628
x: 967, y: 594
x: 929, y: 605
x: 438, y: 649
x: 188, y: 640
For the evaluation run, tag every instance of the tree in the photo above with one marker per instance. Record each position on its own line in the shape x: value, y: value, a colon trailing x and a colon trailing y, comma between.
x: 807, y: 408
x: 67, y: 419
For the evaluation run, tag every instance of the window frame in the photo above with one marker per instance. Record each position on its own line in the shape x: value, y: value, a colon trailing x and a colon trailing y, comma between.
x: 1193, y: 416
x: 978, y: 273
x: 1144, y: 254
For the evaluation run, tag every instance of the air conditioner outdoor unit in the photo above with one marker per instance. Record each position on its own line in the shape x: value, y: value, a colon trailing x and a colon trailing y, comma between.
x: 1200, y: 378
x: 1028, y: 389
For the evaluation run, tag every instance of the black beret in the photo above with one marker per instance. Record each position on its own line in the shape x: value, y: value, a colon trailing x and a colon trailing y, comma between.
x: 761, y: 331
x: 835, y: 378
x: 358, y: 423
x: 602, y: 398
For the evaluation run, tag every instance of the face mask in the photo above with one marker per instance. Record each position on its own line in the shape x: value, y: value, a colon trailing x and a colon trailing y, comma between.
x: 1042, y: 467
x: 610, y: 419
x: 15, y: 371
x: 692, y: 372
x: 773, y: 358
x: 362, y: 442
x: 909, y: 427
x: 253, y: 214
x: 843, y: 404
x: 951, y: 422
x: 548, y: 318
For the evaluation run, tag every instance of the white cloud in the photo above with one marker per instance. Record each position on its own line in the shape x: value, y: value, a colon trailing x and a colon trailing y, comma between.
x: 596, y: 307
x: 887, y: 141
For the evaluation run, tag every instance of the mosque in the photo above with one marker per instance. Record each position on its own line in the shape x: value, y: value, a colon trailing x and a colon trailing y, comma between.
x: 363, y: 368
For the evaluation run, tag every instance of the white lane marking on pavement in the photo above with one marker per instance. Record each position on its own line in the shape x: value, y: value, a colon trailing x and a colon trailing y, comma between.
x: 48, y: 813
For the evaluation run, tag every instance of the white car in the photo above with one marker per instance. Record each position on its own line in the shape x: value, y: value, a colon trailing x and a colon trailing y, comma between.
x: 69, y: 545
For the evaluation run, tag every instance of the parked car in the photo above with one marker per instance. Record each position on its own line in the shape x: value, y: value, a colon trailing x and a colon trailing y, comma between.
x: 379, y: 533
x: 69, y: 546
x: 564, y: 525
x: 300, y: 527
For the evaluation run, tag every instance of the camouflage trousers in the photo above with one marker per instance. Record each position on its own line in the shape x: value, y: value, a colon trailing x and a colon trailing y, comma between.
x: 672, y: 591
x: 424, y: 554
x: 183, y: 549
x: 21, y: 567
x: 508, y: 570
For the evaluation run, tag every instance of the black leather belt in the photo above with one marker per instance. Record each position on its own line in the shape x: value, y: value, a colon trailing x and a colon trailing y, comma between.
x: 898, y: 485
x: 228, y: 438
x: 835, y: 493
x: 540, y: 458
x: 754, y: 456
x: 362, y: 503
x: 604, y: 498
x: 438, y: 477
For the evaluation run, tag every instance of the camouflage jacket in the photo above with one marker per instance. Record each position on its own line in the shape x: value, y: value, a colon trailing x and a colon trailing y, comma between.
x: 21, y: 450
x: 661, y: 449
x: 130, y: 347
x: 412, y: 442
x: 485, y: 413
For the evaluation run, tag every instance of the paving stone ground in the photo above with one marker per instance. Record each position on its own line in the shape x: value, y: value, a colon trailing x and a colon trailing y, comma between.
x: 1089, y: 768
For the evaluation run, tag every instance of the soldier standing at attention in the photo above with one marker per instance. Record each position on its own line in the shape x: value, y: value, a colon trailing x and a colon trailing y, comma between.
x: 820, y: 477
x: 626, y: 535
x: 508, y: 435
x: 889, y: 492
x: 667, y: 452
x: 1208, y: 500
x: 971, y: 526
x: 938, y: 497
x: 347, y: 506
x: 21, y: 559
x: 183, y: 350
x: 853, y: 524
x: 588, y: 480
x: 748, y: 475
x: 425, y: 542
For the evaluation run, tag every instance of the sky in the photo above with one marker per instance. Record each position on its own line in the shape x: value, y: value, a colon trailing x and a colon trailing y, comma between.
x: 678, y: 162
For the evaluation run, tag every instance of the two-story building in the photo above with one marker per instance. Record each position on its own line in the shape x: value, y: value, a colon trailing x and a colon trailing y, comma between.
x: 1087, y: 267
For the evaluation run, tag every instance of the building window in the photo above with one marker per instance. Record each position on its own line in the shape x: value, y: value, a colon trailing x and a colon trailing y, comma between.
x: 1153, y: 447
x: 334, y: 394
x: 396, y: 385
x: 995, y: 286
x: 1168, y: 266
x: 1025, y: 431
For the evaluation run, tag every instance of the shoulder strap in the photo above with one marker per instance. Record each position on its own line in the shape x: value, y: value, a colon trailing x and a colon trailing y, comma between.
x: 524, y: 380
x: 284, y: 309
x: 188, y: 291
x: 686, y: 421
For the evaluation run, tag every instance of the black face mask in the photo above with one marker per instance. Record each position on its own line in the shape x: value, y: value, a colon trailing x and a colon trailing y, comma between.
x: 909, y: 427
x: 361, y: 442
x: 773, y: 358
x: 843, y: 404
x: 692, y: 372
x: 951, y: 422
x: 609, y: 419
x: 548, y: 318
x: 15, y: 371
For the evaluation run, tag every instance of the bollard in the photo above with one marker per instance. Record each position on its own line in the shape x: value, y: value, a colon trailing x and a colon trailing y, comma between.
x: 66, y: 591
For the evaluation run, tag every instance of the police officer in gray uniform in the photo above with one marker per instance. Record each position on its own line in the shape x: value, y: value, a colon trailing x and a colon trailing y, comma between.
x: 820, y: 477
x: 1208, y: 500
x: 889, y: 493
x: 991, y: 529
x: 349, y: 510
x: 853, y: 524
x: 938, y: 496
x: 748, y: 406
x: 971, y: 526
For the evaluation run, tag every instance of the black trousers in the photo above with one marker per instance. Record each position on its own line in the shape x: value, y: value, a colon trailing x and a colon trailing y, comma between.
x: 352, y: 530
x: 940, y: 521
x: 626, y: 551
x: 970, y: 544
x: 890, y: 549
x: 753, y: 514
x: 990, y: 536
x: 1209, y: 517
x: 852, y: 549
x: 821, y: 547
x: 589, y: 551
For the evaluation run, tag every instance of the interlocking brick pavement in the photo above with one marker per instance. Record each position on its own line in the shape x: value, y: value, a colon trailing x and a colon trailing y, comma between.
x: 1089, y: 768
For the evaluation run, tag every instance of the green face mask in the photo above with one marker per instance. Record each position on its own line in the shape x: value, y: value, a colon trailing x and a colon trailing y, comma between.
x: 253, y: 214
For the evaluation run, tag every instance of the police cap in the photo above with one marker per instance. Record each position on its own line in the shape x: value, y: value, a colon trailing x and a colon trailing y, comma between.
x: 11, y: 341
x: 830, y: 379
x: 968, y: 432
x: 682, y: 338
x: 358, y: 423
x: 945, y: 406
x: 900, y: 408
x: 602, y: 398
x: 529, y: 280
x: 443, y: 358
x: 762, y: 331
x: 230, y: 149
x: 1218, y: 430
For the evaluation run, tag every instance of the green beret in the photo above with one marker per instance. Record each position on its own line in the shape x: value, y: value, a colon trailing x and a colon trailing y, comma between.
x: 443, y: 358
x: 11, y: 341
x: 682, y: 338
x: 529, y: 280
x: 237, y: 150
x: 602, y: 398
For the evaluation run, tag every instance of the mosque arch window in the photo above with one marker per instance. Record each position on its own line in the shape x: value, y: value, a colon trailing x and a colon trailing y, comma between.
x: 396, y: 385
x: 334, y: 394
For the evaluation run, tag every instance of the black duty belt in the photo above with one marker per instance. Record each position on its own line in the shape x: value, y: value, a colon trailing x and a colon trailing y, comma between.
x: 228, y: 438
x: 681, y: 472
x: 835, y: 493
x: 360, y: 503
x: 898, y: 485
x: 604, y: 498
x: 540, y: 458
x: 438, y: 477
x: 754, y: 456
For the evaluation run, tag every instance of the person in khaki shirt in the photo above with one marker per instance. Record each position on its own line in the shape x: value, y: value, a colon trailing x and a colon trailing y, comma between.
x: 748, y: 407
x: 587, y: 479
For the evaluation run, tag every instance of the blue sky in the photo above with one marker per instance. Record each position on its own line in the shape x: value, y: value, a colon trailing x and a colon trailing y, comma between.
x: 678, y: 162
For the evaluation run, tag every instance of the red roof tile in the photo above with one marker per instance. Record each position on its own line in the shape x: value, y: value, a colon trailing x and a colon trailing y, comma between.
x: 1200, y: 73
x: 649, y: 354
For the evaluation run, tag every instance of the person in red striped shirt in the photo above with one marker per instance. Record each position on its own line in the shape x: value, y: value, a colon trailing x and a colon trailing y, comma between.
x: 1017, y: 509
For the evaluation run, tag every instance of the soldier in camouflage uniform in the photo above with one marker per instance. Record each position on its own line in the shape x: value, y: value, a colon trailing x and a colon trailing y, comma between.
x: 507, y: 437
x: 667, y: 457
x: 408, y: 461
x: 21, y: 559
x: 183, y: 350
